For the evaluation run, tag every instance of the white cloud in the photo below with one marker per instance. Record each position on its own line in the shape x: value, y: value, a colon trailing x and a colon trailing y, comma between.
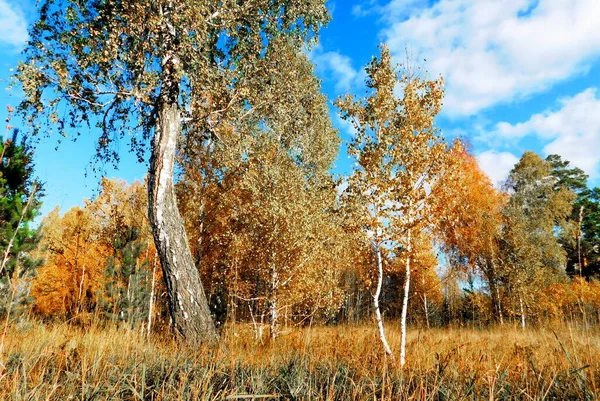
x: 492, y: 51
x: 14, y: 25
x: 345, y: 125
x: 367, y: 8
x: 497, y: 165
x: 337, y: 67
x: 572, y: 131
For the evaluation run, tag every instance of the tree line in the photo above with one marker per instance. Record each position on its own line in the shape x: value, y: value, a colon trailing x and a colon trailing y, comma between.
x: 255, y: 228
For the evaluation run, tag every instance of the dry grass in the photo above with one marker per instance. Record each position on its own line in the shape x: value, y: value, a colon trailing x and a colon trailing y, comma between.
x: 325, y: 363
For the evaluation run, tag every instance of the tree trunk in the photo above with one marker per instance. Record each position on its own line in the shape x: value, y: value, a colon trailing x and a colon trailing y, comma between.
x: 426, y: 308
x: 491, y: 273
x: 494, y: 296
x: 151, y: 301
x: 79, y: 305
x: 378, y: 317
x: 188, y: 306
x: 405, y: 303
x: 499, y: 306
x: 522, y: 307
x: 273, y: 311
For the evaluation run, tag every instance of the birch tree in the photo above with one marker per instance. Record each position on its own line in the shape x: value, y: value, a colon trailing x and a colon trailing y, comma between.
x: 400, y: 156
x: 267, y: 236
x: 153, y: 70
x: 469, y: 221
x: 256, y: 203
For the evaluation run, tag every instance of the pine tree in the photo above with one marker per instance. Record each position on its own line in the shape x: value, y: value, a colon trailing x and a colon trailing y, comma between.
x: 20, y: 201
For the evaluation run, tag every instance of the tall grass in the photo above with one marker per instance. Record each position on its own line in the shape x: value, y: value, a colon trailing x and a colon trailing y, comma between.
x: 325, y: 363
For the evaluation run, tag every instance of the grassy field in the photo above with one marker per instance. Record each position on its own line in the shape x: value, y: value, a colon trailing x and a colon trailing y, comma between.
x: 40, y: 362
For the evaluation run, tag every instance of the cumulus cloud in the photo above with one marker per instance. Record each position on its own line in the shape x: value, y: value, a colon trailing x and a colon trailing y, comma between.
x: 571, y: 130
x: 494, y: 51
x: 497, y: 165
x: 13, y: 23
x: 337, y: 67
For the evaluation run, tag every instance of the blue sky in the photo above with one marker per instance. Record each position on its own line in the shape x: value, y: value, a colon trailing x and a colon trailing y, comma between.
x: 520, y: 75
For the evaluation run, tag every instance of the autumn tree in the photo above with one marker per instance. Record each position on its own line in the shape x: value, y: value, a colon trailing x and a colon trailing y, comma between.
x: 71, y: 280
x: 400, y: 156
x: 121, y: 212
x: 154, y: 70
x: 257, y: 204
x: 426, y: 289
x: 535, y: 214
x: 469, y: 221
x: 99, y: 259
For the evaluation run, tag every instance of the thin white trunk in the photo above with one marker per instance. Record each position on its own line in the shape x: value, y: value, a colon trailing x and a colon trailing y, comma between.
x: 499, y: 307
x: 273, y: 311
x: 425, y: 305
x: 378, y: 317
x: 405, y: 303
x: 6, y: 256
x: 151, y: 302
x: 426, y: 309
x: 129, y: 298
x: 579, y: 234
x: 522, y: 312
x: 81, y: 289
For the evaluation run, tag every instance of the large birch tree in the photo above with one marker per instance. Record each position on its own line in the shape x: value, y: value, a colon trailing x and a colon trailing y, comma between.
x: 154, y: 70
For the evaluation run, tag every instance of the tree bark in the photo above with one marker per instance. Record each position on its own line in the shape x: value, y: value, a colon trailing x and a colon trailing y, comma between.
x: 405, y: 303
x: 188, y: 305
x: 499, y: 306
x: 151, y: 301
x: 491, y: 273
x: 521, y: 306
x: 425, y: 306
x: 273, y: 308
x: 378, y: 317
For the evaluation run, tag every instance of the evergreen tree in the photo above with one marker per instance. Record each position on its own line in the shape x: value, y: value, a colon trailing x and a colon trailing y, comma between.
x: 535, y: 215
x: 582, y: 242
x: 20, y: 196
x: 589, y: 207
x: 127, y: 278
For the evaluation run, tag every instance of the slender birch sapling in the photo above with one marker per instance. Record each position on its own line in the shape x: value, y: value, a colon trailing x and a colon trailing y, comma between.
x: 400, y: 156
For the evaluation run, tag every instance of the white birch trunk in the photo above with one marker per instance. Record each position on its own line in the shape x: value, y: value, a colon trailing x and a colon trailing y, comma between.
x: 188, y: 306
x: 522, y: 312
x: 273, y: 311
x: 378, y: 317
x: 499, y: 307
x: 426, y: 307
x: 81, y: 289
x: 151, y: 302
x: 405, y: 303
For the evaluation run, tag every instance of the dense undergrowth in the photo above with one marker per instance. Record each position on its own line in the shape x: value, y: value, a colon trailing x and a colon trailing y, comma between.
x: 325, y: 363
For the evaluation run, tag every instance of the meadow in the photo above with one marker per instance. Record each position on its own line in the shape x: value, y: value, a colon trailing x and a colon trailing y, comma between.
x: 345, y: 362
